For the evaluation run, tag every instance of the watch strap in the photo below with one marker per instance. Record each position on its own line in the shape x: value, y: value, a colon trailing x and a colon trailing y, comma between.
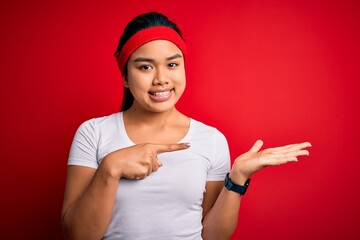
x: 241, y: 189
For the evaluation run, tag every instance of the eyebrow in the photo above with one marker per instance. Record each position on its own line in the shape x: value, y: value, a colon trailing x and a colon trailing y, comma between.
x: 142, y: 59
x: 174, y: 57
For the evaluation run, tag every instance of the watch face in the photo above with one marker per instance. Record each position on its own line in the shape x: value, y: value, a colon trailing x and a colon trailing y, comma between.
x: 228, y: 183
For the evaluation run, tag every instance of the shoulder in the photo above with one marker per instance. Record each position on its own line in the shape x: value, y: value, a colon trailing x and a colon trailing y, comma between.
x: 100, y: 122
x: 200, y: 128
x: 96, y: 127
x: 214, y: 147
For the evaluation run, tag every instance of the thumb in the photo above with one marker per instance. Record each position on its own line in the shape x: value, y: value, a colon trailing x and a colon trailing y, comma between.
x: 161, y: 148
x: 257, y: 146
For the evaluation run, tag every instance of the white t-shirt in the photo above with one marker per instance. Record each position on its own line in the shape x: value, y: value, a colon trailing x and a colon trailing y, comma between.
x: 167, y: 204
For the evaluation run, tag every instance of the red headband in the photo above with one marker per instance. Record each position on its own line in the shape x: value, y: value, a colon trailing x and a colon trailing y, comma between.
x: 145, y: 36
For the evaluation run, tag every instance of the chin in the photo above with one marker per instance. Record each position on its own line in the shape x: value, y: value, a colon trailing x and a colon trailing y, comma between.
x: 162, y: 110
x: 161, y: 107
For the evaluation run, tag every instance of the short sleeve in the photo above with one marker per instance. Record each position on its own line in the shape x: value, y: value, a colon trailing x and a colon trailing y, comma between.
x: 221, y: 159
x: 83, y: 151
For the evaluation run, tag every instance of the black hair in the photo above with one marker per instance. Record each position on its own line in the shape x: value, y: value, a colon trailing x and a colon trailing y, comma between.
x: 140, y: 22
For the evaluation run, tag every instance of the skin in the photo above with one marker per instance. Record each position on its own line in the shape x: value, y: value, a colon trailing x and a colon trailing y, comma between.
x: 156, y: 78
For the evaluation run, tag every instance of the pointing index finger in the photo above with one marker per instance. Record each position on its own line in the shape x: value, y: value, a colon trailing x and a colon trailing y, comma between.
x: 161, y: 148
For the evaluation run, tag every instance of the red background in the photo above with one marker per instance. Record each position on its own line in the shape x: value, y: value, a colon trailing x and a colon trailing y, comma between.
x: 280, y: 71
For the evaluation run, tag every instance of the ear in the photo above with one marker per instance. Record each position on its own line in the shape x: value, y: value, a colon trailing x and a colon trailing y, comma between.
x: 126, y: 82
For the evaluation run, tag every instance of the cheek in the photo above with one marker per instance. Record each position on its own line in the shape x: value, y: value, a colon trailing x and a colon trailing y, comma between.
x: 137, y: 87
x: 138, y: 81
x: 182, y: 80
x: 179, y: 76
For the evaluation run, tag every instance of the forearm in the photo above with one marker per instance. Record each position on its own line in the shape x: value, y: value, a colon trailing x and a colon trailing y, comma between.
x: 89, y: 216
x: 220, y: 222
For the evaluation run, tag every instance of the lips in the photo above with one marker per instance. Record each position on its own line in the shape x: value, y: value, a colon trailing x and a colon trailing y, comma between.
x: 161, y: 96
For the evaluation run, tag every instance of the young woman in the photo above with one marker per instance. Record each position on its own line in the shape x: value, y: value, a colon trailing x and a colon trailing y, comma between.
x: 149, y: 171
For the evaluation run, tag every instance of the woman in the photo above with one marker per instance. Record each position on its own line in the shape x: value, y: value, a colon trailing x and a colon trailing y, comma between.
x: 149, y: 171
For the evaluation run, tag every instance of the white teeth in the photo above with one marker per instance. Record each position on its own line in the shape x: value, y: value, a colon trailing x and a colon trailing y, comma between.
x: 161, y: 94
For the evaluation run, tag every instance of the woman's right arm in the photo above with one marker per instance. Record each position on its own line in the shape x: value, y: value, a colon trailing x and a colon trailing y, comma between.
x: 90, y: 193
x: 88, y: 202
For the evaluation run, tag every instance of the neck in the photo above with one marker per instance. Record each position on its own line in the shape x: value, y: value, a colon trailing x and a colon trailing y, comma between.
x: 140, y: 116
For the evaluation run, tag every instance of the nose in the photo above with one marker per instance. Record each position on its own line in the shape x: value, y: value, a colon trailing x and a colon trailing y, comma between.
x: 160, y: 77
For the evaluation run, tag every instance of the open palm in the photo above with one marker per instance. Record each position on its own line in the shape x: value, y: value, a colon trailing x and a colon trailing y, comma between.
x: 252, y: 161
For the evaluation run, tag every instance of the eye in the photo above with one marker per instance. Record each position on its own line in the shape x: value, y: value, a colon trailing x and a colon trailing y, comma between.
x: 145, y: 67
x: 173, y: 65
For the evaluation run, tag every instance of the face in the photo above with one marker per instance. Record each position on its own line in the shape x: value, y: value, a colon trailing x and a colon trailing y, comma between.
x: 156, y: 76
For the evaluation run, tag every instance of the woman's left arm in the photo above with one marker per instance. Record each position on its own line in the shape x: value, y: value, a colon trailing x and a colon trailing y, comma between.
x: 221, y: 207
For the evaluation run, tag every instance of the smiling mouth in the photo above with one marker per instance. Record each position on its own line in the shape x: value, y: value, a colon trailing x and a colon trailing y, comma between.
x: 161, y: 96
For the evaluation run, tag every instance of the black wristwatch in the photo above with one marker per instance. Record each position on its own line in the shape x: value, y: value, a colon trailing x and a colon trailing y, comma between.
x: 234, y: 187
